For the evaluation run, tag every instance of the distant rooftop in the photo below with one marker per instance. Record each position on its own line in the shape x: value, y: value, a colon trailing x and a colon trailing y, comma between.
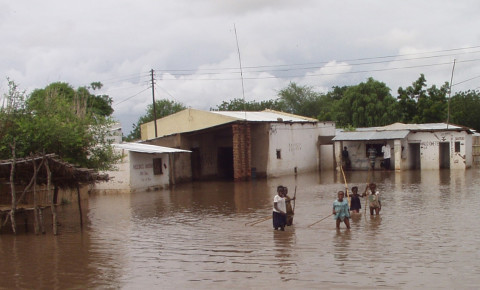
x: 265, y: 116
x: 147, y: 148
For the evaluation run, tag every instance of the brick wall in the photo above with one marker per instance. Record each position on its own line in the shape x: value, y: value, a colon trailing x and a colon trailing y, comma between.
x: 242, y: 151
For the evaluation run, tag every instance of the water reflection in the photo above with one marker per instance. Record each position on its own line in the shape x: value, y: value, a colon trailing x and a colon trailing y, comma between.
x: 194, y: 236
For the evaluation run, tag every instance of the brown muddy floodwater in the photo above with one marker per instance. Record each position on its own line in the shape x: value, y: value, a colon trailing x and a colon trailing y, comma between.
x: 194, y: 236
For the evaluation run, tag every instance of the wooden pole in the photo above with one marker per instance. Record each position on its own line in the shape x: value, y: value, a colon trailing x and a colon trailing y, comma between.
x: 42, y: 223
x: 321, y: 220
x: 52, y: 203
x: 366, y: 197
x: 79, y: 206
x: 12, y: 188
x: 36, y: 223
x: 261, y: 221
x: 346, y: 186
x: 266, y: 217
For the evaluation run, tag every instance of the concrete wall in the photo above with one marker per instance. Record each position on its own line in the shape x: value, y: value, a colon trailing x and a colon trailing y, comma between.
x: 119, y: 179
x: 141, y: 171
x: 297, y: 147
x: 260, y: 148
x: 430, y: 148
x: 135, y: 173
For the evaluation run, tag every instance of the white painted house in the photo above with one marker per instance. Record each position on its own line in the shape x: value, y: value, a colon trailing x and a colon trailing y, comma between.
x: 413, y: 146
x: 142, y: 167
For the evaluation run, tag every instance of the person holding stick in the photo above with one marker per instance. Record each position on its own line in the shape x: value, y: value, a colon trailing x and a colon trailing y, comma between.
x: 373, y: 198
x: 288, y: 206
x: 279, y: 214
x: 341, y: 210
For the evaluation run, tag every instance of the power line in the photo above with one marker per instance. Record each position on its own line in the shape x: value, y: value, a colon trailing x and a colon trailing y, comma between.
x: 235, y: 70
x: 126, y: 99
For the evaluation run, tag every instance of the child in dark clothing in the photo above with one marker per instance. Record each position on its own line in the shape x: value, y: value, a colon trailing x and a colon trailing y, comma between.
x: 355, y: 204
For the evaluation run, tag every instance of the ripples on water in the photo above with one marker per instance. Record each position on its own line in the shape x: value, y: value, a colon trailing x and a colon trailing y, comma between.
x: 194, y: 236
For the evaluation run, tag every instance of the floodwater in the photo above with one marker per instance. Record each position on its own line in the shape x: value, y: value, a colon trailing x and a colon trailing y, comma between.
x: 194, y: 236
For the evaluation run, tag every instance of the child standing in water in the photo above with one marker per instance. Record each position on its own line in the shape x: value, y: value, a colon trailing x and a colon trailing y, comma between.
x: 341, y: 211
x: 373, y: 198
x: 355, y: 203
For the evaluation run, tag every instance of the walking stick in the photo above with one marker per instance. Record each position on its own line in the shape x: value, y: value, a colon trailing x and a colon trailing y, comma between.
x: 294, y: 198
x: 346, y: 186
x: 366, y: 197
x: 261, y: 220
x: 320, y: 220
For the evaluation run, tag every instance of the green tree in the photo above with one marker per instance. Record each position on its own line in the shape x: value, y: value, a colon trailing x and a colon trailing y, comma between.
x: 238, y: 104
x: 163, y: 108
x: 300, y: 100
x: 55, y: 122
x: 367, y: 104
x: 99, y: 105
x: 419, y: 104
x: 464, y: 108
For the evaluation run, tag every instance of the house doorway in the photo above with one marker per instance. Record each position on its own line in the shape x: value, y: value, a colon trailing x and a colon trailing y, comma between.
x: 444, y: 155
x: 196, y: 163
x: 414, y: 156
x: 225, y: 162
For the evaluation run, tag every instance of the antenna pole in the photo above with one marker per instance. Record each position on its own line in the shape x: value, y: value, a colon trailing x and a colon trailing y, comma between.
x: 241, y: 70
x: 450, y: 93
x: 154, y: 110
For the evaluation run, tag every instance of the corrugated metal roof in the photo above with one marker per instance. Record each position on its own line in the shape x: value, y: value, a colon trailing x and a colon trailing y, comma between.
x: 147, y: 148
x: 422, y: 127
x: 264, y: 116
x: 370, y: 135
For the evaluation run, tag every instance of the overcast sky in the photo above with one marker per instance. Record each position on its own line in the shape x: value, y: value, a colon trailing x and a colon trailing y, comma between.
x: 191, y: 46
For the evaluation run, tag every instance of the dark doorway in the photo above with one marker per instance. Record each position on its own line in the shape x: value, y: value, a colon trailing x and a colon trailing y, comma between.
x: 225, y: 162
x: 196, y: 163
x: 414, y: 155
x: 444, y: 155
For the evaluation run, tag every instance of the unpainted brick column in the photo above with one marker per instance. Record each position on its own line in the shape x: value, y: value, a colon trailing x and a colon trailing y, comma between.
x: 241, y: 151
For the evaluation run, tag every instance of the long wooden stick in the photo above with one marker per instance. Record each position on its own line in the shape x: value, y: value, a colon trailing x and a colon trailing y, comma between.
x: 294, y: 198
x: 366, y: 197
x: 261, y: 221
x: 321, y: 220
x: 346, y: 186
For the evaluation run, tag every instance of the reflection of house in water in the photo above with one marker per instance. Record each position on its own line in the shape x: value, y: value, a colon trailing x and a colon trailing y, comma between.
x: 414, y: 146
x: 143, y: 167
x: 239, y: 145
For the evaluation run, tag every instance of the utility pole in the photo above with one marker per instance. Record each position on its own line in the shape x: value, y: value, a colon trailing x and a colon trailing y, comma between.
x: 450, y: 94
x: 154, y: 110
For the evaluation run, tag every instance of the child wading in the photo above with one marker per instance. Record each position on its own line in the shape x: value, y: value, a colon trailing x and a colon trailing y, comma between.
x: 341, y: 211
x: 374, y: 201
x: 279, y: 210
x: 355, y: 203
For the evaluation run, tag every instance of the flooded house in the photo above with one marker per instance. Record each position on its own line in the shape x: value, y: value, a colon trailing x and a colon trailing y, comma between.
x: 142, y: 167
x: 237, y: 145
x: 413, y: 146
